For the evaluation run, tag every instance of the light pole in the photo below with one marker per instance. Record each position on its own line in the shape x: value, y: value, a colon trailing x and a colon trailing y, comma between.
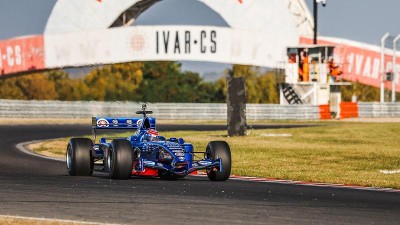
x: 315, y: 10
x: 394, y: 70
x: 382, y: 94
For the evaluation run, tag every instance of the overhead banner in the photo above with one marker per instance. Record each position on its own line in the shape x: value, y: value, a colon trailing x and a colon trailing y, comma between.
x: 21, y: 54
x: 169, y: 43
x: 360, y: 62
x: 280, y: 17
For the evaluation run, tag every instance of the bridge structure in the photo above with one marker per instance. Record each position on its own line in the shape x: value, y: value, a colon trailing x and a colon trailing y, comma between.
x: 81, y: 33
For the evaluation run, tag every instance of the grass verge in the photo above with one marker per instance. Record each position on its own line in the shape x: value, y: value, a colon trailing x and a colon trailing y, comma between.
x: 346, y: 153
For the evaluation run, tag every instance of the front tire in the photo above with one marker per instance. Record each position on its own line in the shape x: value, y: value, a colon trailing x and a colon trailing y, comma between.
x: 120, y: 159
x: 79, y: 158
x: 216, y: 150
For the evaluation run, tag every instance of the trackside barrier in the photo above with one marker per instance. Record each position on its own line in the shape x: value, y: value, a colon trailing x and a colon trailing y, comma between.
x: 375, y: 109
x: 187, y: 111
x: 281, y: 112
x: 324, y: 112
x: 348, y: 110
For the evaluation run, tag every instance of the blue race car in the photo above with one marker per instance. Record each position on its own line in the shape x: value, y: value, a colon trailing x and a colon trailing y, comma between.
x: 145, y: 153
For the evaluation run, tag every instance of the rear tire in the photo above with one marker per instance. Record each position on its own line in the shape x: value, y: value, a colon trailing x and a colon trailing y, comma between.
x: 79, y: 157
x: 216, y: 150
x: 120, y: 159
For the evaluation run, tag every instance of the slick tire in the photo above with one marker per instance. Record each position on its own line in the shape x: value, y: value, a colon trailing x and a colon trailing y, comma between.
x: 216, y: 150
x: 120, y: 159
x: 79, y: 157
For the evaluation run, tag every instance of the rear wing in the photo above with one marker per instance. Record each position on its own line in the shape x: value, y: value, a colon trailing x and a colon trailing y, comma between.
x: 123, y: 123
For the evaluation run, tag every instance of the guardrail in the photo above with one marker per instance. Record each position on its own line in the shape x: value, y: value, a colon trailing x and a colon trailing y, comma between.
x: 190, y: 111
x: 375, y: 109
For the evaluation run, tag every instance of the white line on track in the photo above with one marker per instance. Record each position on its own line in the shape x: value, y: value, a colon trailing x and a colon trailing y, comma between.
x: 22, y: 148
x: 51, y: 220
x: 302, y: 183
x: 275, y: 135
x: 389, y: 171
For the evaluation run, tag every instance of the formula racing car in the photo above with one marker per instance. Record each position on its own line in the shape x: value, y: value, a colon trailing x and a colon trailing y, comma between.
x: 145, y: 153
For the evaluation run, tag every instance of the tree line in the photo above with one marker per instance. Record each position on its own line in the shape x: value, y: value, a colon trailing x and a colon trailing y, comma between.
x: 154, y: 82
x: 364, y: 93
x: 137, y: 81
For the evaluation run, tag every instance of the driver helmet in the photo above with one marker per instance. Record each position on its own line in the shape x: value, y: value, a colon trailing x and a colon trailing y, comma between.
x: 151, y: 135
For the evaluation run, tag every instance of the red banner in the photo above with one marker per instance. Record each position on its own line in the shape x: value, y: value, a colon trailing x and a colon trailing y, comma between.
x: 360, y: 62
x: 21, y: 54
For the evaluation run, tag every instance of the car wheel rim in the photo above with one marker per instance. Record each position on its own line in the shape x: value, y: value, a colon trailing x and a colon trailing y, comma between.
x: 109, y: 160
x: 69, y: 157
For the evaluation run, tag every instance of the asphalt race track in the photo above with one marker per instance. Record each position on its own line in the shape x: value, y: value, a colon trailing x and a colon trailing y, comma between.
x: 36, y: 187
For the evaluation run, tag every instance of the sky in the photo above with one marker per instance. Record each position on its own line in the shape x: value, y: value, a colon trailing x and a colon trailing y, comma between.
x: 23, y: 17
x: 360, y: 20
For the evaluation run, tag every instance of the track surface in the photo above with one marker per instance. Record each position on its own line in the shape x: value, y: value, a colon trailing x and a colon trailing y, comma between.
x: 32, y: 186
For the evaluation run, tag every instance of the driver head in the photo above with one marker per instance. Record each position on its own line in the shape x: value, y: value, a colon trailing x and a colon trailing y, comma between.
x: 151, y: 135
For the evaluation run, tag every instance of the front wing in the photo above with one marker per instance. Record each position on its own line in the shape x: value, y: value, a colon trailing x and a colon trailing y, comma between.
x: 150, y: 168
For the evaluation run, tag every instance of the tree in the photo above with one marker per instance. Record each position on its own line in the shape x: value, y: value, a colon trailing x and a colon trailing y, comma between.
x: 28, y: 87
x: 160, y: 69
x: 149, y: 81
x: 66, y: 88
x: 363, y: 92
x: 165, y: 82
x: 9, y: 89
x: 260, y: 87
x: 269, y: 89
x: 117, y: 82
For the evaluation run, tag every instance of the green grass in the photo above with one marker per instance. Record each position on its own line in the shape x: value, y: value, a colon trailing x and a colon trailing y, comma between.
x: 345, y: 153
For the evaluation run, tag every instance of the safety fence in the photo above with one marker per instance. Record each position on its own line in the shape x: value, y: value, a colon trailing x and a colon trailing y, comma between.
x: 188, y: 111
x: 374, y: 110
